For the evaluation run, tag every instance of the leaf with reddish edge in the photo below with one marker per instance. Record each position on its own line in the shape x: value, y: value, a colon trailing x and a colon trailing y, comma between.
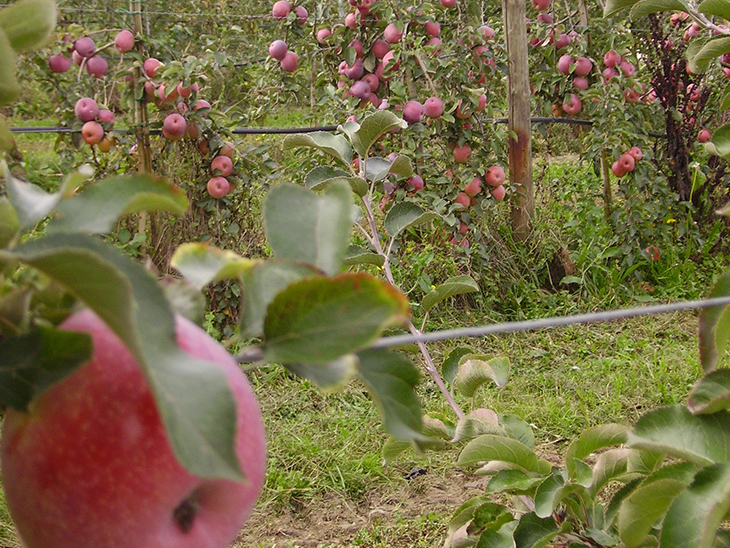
x: 714, y: 326
x: 317, y: 320
x: 711, y: 393
x: 476, y: 369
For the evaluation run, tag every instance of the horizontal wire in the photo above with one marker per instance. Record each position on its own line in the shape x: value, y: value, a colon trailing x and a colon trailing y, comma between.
x: 532, y: 325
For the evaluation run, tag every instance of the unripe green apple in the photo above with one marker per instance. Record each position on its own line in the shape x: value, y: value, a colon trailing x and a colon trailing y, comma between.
x: 89, y: 465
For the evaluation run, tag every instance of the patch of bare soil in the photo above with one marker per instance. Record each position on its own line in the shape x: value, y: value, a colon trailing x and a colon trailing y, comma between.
x: 332, y: 520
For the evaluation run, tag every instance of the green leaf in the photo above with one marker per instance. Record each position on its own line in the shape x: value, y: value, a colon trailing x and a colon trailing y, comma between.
x: 721, y: 142
x: 261, y: 284
x: 545, y: 495
x: 359, y: 255
x: 372, y: 128
x: 15, y: 311
x: 33, y: 362
x: 28, y: 23
x: 591, y: 440
x: 9, y: 222
x: 377, y: 169
x: 614, y: 6
x: 503, y: 538
x: 696, y: 513
x: 328, y: 377
x: 711, y: 393
x: 649, y: 502
x: 318, y: 320
x: 202, y: 264
x: 463, y: 515
x: 518, y: 429
x: 490, y: 516
x: 711, y: 50
x: 536, y: 532
x: 714, y: 324
x: 702, y: 439
x: 611, y: 465
x: 7, y: 143
x: 335, y: 146
x: 512, y: 481
x: 434, y: 427
x: 404, y: 215
x: 451, y: 364
x: 457, y: 285
x: 394, y: 447
x: 725, y: 100
x: 477, y: 422
x: 718, y: 8
x: 476, y: 369
x: 303, y: 226
x: 323, y: 177
x: 97, y: 209
x: 9, y: 87
x: 646, y: 7
x: 488, y: 447
x: 401, y: 166
x: 193, y: 396
x: 391, y: 380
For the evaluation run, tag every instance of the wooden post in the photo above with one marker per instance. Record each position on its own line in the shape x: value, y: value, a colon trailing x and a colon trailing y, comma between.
x: 518, y: 102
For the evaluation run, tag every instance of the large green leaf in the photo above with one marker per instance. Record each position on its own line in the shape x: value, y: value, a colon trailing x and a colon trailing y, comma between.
x: 649, y: 501
x: 610, y: 465
x: 9, y: 87
x: 193, y: 396
x: 702, y: 439
x: 711, y: 393
x: 28, y: 23
x: 9, y: 222
x: 303, y: 226
x: 202, y: 264
x: 720, y: 144
x: 391, y: 379
x: 476, y: 369
x: 490, y: 516
x: 553, y: 491
x: 261, y: 284
x: 359, y: 255
x: 696, y: 513
x: 404, y: 215
x: 711, y: 50
x: 457, y: 285
x: 335, y: 146
x: 376, y: 168
x: 714, y: 324
x: 318, y: 320
x: 372, y: 128
x: 503, y: 538
x: 450, y: 368
x: 323, y: 177
x: 31, y: 363
x: 614, y: 6
x: 488, y: 447
x: 402, y: 166
x: 97, y: 209
x: 718, y: 8
x: 536, y: 532
x: 512, y: 481
x: 591, y: 440
x: 328, y: 377
x: 477, y: 422
x: 646, y: 7
x: 517, y: 428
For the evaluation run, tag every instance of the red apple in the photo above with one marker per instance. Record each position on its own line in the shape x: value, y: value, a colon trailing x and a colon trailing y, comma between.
x: 278, y: 49
x: 86, y: 109
x: 572, y: 104
x: 174, y: 126
x: 380, y: 48
x: 97, y: 66
x: 202, y: 104
x: 218, y: 187
x: 494, y: 176
x: 59, y: 63
x: 106, y: 116
x: 704, y: 135
x: 228, y: 150
x: 92, y: 132
x: 85, y: 47
x: 222, y: 165
x: 124, y: 41
x: 433, y: 107
x: 151, y: 67
x: 351, y: 20
x: 462, y: 153
x: 463, y: 199
x: 372, y: 81
x: 580, y: 82
x: 498, y: 193
x: 626, y: 162
x: 289, y: 62
x: 564, y: 63
x: 540, y: 5
x: 391, y: 34
x: 90, y: 463
x: 322, y: 35
x: 611, y: 59
x: 415, y: 183
x: 432, y: 28
x: 448, y: 3
x: 627, y: 68
x: 302, y: 15
x: 361, y: 90
x: 583, y: 66
x: 413, y: 112
x: 636, y: 153
x: 473, y: 188
x: 280, y: 9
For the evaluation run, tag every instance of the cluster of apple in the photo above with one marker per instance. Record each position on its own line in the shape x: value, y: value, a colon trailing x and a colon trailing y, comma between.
x: 626, y: 162
x: 494, y: 177
x: 288, y: 60
x: 282, y: 8
x: 554, y: 37
x: 93, y: 132
x: 221, y: 167
x: 84, y: 52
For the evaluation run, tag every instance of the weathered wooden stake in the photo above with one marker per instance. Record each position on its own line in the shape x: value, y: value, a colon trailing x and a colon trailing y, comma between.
x: 518, y: 102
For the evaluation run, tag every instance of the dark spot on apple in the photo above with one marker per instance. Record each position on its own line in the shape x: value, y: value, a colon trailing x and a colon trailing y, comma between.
x: 184, y: 514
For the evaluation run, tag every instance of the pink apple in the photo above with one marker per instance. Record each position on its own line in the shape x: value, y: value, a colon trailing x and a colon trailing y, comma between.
x: 413, y: 112
x: 124, y: 41
x: 278, y: 49
x: 636, y: 153
x: 222, y: 165
x: 92, y: 132
x: 290, y: 61
x: 704, y: 135
x: 448, y: 3
x: 361, y: 90
x: 583, y: 66
x: 151, y: 67
x: 380, y: 48
x: 580, y: 83
x: 97, y: 66
x: 627, y: 163
x: 463, y: 199
x: 59, y: 63
x: 351, y: 20
x: 174, y: 126
x: 572, y: 104
x: 86, y: 109
x: 540, y: 5
x: 202, y: 104
x: 280, y: 9
x: 494, y: 176
x: 85, y: 47
x: 608, y: 73
x: 627, y: 68
x: 415, y: 183
x: 218, y: 187
x: 302, y: 15
x: 322, y: 35
x: 564, y: 63
x: 432, y: 28
x: 357, y: 46
x: 462, y: 153
x: 473, y: 188
x: 391, y: 34
x: 611, y: 59
x: 355, y: 71
x: 433, y: 107
x: 105, y: 116
x: 498, y: 193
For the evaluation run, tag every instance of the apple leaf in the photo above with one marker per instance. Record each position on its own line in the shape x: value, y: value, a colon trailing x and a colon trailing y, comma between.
x: 317, y: 320
x: 545, y: 495
x: 489, y: 447
x: 696, y: 513
x: 646, y: 7
x: 193, y: 396
x: 372, y: 128
x: 7, y: 143
x: 14, y: 311
x: 501, y: 538
x: 97, y: 208
x: 458, y: 285
x: 359, y: 255
x: 711, y: 50
x: 614, y: 6
x: 202, y: 264
x: 478, y: 422
x: 721, y: 141
x: 402, y: 166
x: 518, y: 429
x: 714, y: 326
x: 610, y: 465
x: 376, y: 168
x: 535, y: 532
x: 702, y: 439
x: 303, y: 226
x: 711, y: 393
x: 28, y: 23
x: 9, y: 222
x: 718, y: 8
x: 391, y: 379
x: 9, y: 87
x: 323, y: 177
x: 404, y: 215
x: 335, y: 146
x: 328, y: 377
x: 476, y: 369
x: 450, y: 368
x: 490, y: 516
x: 349, y: 128
x: 649, y: 501
x: 512, y: 481
x: 261, y: 284
x: 33, y: 362
x: 591, y: 440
